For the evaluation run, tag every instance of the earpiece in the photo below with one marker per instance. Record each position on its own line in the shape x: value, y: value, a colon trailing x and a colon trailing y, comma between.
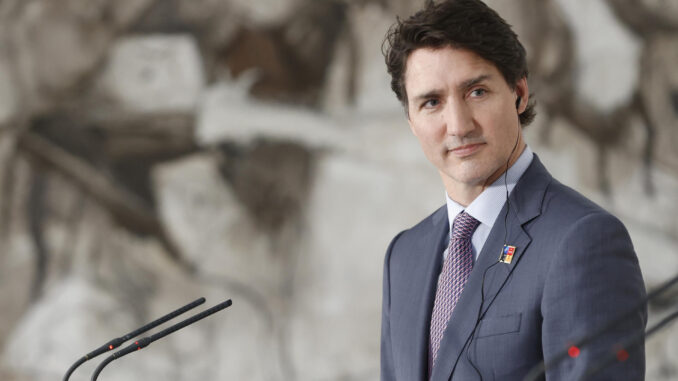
x: 518, y: 102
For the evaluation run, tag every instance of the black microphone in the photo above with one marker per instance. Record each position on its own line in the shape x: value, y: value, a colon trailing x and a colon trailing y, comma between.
x: 120, y: 340
x: 540, y: 369
x: 146, y: 341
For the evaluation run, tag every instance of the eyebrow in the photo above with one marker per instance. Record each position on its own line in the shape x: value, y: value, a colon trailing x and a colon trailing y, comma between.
x: 428, y: 95
x: 462, y: 86
x: 473, y: 81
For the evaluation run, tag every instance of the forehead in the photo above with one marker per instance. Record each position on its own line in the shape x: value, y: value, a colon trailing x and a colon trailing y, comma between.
x: 428, y: 67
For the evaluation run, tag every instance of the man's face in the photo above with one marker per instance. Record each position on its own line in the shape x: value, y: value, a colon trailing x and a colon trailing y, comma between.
x: 464, y: 114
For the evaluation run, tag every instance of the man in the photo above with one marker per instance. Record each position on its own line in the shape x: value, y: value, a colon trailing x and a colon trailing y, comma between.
x: 516, y: 266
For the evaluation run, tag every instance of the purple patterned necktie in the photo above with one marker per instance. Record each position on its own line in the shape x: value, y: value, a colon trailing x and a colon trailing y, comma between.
x: 456, y: 270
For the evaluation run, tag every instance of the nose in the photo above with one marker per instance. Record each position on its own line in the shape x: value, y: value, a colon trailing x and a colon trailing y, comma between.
x: 458, y: 118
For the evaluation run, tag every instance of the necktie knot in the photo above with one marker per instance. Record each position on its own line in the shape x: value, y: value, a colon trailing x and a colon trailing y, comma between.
x: 463, y: 227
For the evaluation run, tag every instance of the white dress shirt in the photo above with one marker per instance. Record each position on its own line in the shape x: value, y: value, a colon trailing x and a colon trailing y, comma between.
x: 486, y: 207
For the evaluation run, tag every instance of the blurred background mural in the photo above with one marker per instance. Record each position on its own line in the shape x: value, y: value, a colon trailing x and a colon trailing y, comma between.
x: 155, y: 151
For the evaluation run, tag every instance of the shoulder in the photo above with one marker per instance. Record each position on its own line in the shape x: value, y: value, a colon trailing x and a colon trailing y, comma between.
x: 540, y: 194
x: 557, y: 216
x: 573, y: 230
x: 433, y: 221
x: 413, y: 247
x: 567, y: 206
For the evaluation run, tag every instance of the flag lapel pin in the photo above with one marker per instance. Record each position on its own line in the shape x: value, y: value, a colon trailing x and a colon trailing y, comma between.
x: 507, y: 254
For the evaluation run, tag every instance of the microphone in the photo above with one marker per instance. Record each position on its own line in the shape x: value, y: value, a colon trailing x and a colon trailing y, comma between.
x: 620, y: 352
x: 146, y: 341
x: 120, y: 340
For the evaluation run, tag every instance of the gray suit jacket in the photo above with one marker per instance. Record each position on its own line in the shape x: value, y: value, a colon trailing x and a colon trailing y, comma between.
x: 574, y: 269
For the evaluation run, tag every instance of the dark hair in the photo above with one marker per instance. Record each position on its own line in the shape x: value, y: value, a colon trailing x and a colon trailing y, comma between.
x: 464, y: 24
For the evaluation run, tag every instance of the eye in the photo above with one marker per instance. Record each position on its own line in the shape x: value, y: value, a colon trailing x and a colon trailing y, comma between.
x: 430, y: 103
x: 478, y: 92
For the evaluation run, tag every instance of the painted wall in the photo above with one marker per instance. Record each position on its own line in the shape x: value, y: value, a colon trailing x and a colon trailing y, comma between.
x: 155, y: 151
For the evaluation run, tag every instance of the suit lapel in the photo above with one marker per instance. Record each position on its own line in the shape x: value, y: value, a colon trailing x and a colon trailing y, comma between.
x: 496, y: 276
x: 526, y: 201
x: 426, y: 264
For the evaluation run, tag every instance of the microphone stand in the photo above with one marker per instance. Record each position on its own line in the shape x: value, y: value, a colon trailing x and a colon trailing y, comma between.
x: 120, y: 340
x: 146, y: 341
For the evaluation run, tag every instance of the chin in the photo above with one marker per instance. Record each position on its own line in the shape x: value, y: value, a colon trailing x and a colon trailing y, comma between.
x: 470, y: 173
x: 471, y: 179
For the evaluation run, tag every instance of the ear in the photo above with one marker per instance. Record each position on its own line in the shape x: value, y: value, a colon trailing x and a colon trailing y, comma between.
x: 523, y: 92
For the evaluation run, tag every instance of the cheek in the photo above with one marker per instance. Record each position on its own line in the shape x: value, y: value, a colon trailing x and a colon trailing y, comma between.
x: 427, y: 133
x: 501, y: 128
x: 432, y: 140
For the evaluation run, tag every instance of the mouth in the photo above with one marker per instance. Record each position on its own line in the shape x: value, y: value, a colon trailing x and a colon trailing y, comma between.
x: 466, y: 150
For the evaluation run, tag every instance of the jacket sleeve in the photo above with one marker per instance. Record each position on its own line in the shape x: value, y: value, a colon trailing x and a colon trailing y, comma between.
x: 387, y: 363
x: 593, y: 279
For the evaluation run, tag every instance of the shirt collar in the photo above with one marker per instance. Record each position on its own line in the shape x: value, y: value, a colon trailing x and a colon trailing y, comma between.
x: 486, y: 207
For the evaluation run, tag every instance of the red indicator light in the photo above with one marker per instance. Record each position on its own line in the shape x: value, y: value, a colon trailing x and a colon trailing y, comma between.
x: 111, y: 346
x: 136, y: 342
x: 622, y: 355
x: 573, y: 351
